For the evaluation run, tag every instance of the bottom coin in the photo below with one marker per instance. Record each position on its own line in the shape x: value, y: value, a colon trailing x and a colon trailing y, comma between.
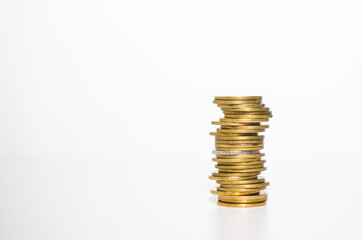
x: 241, y: 205
x: 262, y: 197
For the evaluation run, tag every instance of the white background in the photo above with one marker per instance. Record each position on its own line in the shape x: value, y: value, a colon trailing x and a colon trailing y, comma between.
x: 105, y: 111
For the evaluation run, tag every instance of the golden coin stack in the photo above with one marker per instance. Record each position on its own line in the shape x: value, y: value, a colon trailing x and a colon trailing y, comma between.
x: 238, y: 157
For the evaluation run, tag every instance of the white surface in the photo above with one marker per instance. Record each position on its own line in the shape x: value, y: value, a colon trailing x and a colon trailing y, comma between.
x: 106, y: 109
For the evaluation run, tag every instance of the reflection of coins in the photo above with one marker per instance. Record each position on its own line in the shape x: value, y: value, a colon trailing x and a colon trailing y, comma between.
x: 242, y: 205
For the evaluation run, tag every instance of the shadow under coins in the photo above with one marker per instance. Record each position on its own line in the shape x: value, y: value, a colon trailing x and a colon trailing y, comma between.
x: 240, y: 223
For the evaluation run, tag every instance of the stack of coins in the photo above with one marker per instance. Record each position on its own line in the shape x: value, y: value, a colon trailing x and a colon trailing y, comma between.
x: 238, y: 157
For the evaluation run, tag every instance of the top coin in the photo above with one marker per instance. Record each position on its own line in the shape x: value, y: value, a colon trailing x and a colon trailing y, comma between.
x: 232, y: 98
x: 236, y: 102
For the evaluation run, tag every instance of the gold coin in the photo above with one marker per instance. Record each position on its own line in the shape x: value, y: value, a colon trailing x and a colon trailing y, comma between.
x: 237, y: 182
x: 242, y: 205
x: 255, y: 114
x: 232, y: 178
x: 240, y: 111
x: 250, y: 143
x: 238, y: 98
x: 250, y: 105
x: 248, y: 120
x: 238, y: 148
x: 242, y: 156
x: 249, y: 170
x: 235, y: 189
x: 249, y: 109
x: 237, y: 132
x: 243, y: 193
x: 231, y: 134
x: 253, y: 185
x: 218, y: 174
x: 230, y: 167
x: 236, y: 142
x: 247, y: 163
x: 240, y: 138
x: 234, y: 161
x: 219, y: 134
x: 238, y: 127
x: 238, y: 145
x: 248, y: 116
x: 238, y: 170
x: 244, y: 199
x: 237, y: 162
x: 239, y: 102
x: 230, y: 124
x: 235, y: 111
x: 252, y: 129
x: 239, y: 142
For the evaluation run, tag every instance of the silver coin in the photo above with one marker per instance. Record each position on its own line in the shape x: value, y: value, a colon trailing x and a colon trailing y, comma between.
x: 234, y: 152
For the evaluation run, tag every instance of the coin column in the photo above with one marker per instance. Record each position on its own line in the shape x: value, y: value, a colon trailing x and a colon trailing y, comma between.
x: 238, y: 157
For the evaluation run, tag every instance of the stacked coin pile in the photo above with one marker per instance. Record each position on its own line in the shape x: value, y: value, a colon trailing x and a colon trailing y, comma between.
x: 238, y: 157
